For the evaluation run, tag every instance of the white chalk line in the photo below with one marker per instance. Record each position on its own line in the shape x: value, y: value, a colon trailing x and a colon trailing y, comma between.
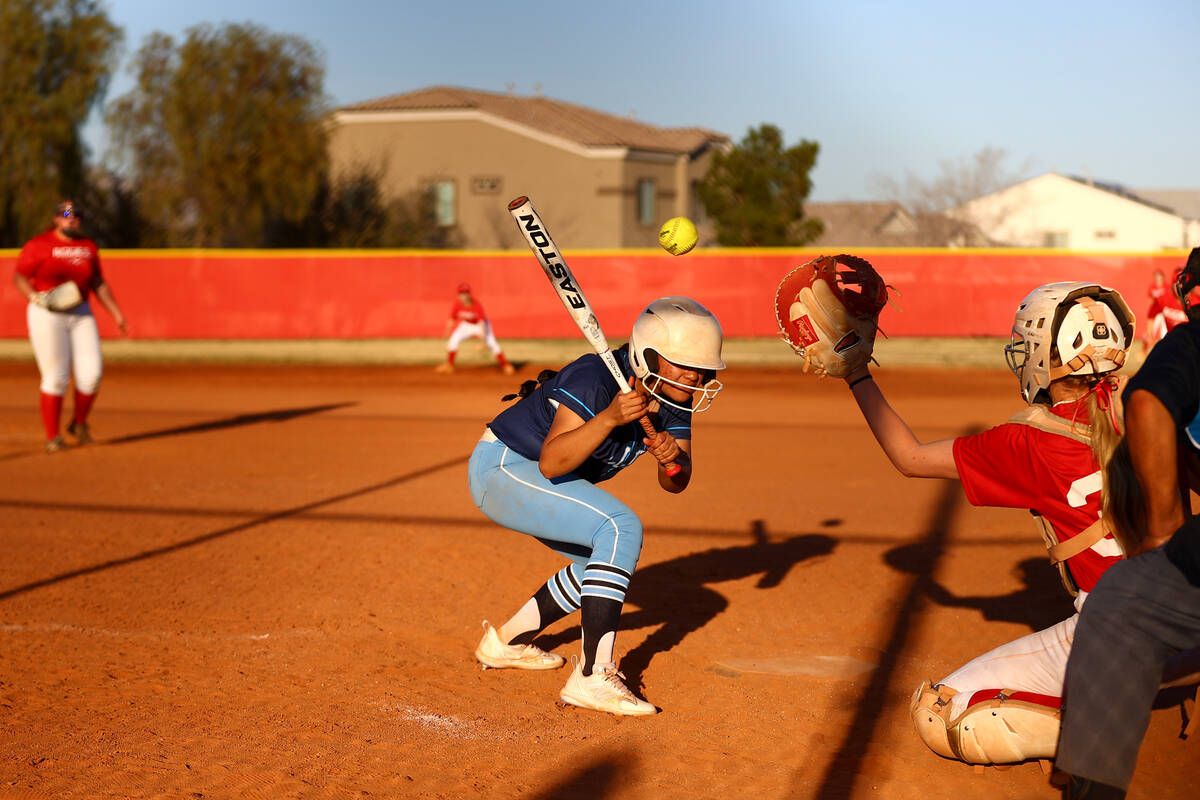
x: 447, y: 725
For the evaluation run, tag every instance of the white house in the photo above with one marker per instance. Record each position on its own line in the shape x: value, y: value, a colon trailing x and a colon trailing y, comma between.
x: 1061, y: 211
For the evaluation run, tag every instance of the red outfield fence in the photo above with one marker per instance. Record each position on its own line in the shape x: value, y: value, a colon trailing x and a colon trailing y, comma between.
x: 310, y: 294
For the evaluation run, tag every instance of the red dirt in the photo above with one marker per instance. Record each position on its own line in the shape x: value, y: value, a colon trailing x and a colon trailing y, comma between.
x: 268, y: 582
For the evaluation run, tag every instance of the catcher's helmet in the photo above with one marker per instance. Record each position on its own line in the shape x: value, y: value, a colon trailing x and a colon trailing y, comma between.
x: 685, y: 333
x: 1186, y: 280
x: 1088, y: 326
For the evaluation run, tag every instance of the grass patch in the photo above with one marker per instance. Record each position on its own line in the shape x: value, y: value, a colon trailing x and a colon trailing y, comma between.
x: 758, y: 352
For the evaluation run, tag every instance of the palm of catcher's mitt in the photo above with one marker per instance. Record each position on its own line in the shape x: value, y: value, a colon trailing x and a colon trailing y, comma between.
x: 828, y: 312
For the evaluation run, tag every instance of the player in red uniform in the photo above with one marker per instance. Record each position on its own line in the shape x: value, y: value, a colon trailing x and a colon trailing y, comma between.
x: 1067, y: 340
x: 1166, y: 311
x: 469, y: 321
x: 65, y: 339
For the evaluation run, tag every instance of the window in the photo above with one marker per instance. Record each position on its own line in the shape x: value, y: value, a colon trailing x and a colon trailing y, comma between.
x: 1106, y: 234
x: 443, y: 203
x: 698, y: 214
x: 1056, y: 239
x: 645, y: 201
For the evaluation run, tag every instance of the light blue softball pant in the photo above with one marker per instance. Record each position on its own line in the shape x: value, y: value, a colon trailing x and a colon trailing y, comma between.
x: 599, y: 534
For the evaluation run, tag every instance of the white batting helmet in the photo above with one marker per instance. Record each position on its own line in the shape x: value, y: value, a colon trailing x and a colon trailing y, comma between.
x: 1089, y: 327
x: 685, y: 333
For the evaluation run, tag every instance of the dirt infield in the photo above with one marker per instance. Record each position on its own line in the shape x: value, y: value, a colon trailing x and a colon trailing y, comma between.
x: 268, y: 582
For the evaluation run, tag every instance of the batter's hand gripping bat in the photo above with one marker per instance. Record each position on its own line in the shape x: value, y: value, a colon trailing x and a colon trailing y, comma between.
x: 564, y: 283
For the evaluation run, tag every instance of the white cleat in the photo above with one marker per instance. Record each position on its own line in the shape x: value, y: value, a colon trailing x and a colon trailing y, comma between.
x: 494, y: 653
x: 604, y: 690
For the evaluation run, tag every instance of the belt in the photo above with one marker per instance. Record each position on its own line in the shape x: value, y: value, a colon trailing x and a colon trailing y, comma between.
x: 488, y: 436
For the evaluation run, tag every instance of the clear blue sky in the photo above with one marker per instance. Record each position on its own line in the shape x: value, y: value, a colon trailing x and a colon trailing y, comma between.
x: 887, y: 89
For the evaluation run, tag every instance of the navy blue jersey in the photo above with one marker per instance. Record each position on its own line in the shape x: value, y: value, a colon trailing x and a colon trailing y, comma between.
x: 1172, y: 374
x: 586, y: 387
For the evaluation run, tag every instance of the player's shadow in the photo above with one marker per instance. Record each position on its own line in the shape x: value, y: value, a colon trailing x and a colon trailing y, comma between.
x: 278, y: 415
x: 676, y: 595
x: 1040, y: 603
x: 593, y: 780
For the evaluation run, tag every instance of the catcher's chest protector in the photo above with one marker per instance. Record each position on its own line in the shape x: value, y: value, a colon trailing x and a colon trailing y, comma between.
x: 1040, y: 417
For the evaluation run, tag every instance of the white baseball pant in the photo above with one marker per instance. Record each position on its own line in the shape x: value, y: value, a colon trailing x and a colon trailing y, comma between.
x: 65, y: 342
x: 473, y: 330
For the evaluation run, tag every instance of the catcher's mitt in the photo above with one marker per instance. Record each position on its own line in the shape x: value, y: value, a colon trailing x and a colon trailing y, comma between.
x: 828, y: 312
x: 63, y: 297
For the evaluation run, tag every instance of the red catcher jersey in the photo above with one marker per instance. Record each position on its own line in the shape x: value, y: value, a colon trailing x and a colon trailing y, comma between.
x: 47, y: 261
x: 1018, y: 466
x: 471, y: 313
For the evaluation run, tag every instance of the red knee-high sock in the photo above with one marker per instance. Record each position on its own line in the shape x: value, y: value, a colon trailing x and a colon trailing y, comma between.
x: 51, y: 411
x: 83, y: 405
x: 450, y: 357
x: 503, y: 361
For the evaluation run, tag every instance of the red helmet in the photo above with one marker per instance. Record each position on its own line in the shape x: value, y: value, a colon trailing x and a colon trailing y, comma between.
x: 464, y: 287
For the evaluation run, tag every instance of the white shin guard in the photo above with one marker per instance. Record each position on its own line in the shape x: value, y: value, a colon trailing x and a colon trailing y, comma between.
x: 1003, y: 730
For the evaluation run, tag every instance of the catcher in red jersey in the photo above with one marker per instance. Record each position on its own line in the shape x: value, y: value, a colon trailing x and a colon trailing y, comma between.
x: 58, y: 271
x: 469, y: 321
x: 1068, y: 339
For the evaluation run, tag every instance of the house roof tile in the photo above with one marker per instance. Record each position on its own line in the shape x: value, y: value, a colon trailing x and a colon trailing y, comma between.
x: 584, y: 126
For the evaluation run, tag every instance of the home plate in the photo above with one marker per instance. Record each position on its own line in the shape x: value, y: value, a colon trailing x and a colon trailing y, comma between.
x: 816, y: 666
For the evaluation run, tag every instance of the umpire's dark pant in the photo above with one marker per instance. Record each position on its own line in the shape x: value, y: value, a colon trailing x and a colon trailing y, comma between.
x: 1141, y: 612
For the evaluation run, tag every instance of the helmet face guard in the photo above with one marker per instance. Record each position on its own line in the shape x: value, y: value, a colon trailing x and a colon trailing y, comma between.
x: 1187, y: 280
x: 703, y: 393
x: 686, y: 334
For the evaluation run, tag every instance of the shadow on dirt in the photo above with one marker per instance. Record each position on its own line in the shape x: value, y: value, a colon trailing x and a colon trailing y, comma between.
x: 592, y: 781
x: 676, y: 596
x: 259, y: 520
x: 280, y: 415
x: 1041, y: 603
x: 844, y: 768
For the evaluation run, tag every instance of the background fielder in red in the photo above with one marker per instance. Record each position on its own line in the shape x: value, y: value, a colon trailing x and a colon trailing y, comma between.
x: 65, y: 341
x: 469, y: 321
x: 1165, y: 312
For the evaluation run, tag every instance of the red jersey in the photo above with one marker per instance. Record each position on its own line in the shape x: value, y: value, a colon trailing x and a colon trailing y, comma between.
x: 1163, y: 301
x: 47, y: 261
x: 471, y: 313
x: 1019, y: 466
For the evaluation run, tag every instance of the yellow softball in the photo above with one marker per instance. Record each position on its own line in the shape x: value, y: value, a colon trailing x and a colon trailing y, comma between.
x: 677, y: 235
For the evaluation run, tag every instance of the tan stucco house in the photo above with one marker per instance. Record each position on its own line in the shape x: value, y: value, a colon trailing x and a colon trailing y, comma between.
x: 598, y: 180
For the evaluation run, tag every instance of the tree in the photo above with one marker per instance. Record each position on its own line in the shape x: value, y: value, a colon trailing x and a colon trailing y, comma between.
x: 937, y: 204
x: 755, y: 191
x: 56, y: 57
x: 223, y: 134
x: 351, y: 212
x: 112, y: 211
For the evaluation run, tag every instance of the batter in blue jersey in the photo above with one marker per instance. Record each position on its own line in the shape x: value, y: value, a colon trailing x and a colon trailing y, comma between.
x: 536, y: 470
